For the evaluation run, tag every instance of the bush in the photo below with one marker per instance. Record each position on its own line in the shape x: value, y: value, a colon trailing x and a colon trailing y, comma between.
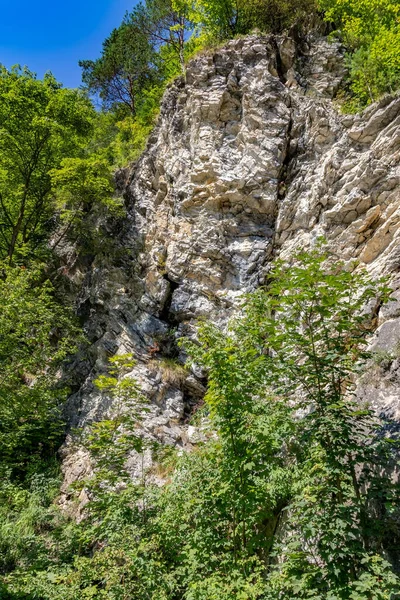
x: 370, y: 30
x: 288, y: 497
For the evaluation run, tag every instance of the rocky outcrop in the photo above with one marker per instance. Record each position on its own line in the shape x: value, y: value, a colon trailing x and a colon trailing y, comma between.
x: 250, y: 158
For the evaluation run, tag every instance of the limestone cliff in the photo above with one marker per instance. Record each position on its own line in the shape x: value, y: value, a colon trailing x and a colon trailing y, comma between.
x: 250, y: 159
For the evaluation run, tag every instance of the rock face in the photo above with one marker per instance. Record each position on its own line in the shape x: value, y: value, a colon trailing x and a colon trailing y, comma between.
x: 250, y: 159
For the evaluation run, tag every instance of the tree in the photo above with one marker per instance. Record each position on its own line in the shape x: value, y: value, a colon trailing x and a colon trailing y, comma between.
x: 276, y: 16
x: 375, y: 70
x: 125, y: 69
x: 370, y: 29
x: 251, y: 423
x: 219, y: 19
x: 223, y: 19
x: 313, y: 325
x: 166, y: 22
x: 290, y: 359
x: 82, y: 187
x: 40, y: 124
x: 36, y: 334
x: 287, y: 497
x: 360, y: 21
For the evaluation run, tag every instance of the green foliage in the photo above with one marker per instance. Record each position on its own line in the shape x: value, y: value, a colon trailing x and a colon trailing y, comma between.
x: 118, y: 140
x: 251, y: 423
x: 26, y: 512
x: 304, y: 338
x: 132, y: 133
x: 124, y: 69
x: 370, y: 29
x: 288, y: 495
x: 36, y: 334
x: 375, y: 69
x: 109, y: 441
x: 215, y: 533
x: 223, y: 19
x: 167, y: 24
x: 83, y: 190
x: 362, y: 20
x: 110, y: 553
x: 40, y: 125
x: 80, y: 183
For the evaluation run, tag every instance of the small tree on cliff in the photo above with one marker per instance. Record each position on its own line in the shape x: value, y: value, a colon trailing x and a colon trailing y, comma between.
x: 297, y: 347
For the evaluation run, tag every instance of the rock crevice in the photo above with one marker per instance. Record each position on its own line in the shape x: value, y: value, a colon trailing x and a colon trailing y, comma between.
x: 250, y: 159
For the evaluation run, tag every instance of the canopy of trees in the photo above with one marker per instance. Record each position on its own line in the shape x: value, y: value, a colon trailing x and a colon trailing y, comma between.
x: 40, y: 124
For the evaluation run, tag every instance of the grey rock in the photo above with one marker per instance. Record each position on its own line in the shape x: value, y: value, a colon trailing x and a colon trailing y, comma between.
x: 387, y: 336
x: 250, y: 159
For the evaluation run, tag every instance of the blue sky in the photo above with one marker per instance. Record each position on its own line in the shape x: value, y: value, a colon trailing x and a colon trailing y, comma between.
x: 52, y: 35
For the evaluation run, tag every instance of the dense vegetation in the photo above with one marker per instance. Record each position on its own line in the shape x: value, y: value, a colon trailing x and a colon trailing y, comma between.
x: 371, y: 31
x: 288, y: 498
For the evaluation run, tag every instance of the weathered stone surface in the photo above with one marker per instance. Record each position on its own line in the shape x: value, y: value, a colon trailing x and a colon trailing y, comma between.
x: 387, y: 336
x: 250, y: 159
